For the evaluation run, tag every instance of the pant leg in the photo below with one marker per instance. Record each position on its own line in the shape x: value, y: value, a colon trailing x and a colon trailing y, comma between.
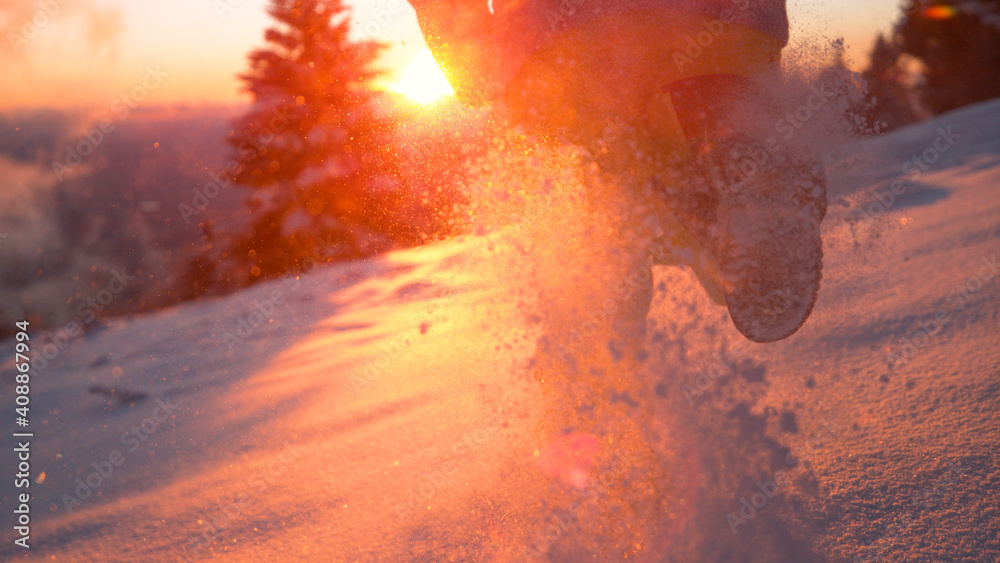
x: 613, y: 70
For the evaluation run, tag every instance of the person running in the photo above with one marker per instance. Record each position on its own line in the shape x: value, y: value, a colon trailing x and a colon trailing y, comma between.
x: 685, y: 82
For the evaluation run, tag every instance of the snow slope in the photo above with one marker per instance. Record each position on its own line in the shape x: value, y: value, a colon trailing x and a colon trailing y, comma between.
x: 399, y: 409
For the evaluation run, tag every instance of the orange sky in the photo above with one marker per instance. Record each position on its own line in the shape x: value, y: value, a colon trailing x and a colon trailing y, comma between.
x: 88, y: 53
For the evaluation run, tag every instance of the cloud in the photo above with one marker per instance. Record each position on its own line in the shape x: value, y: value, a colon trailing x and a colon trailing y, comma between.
x: 14, y: 15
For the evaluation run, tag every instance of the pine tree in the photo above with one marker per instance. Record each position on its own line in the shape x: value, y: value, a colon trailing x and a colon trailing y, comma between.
x: 959, y: 45
x: 313, y: 147
x: 892, y: 101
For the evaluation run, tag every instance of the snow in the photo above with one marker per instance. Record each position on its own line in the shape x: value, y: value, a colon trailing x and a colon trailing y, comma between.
x: 393, y: 410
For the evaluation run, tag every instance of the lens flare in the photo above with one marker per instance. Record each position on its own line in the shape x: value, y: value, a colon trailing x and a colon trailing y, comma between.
x: 940, y: 12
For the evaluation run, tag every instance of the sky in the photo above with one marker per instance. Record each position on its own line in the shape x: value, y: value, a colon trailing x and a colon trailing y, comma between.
x: 90, y: 53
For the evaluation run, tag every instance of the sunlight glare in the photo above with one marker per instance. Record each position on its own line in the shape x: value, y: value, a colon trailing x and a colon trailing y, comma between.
x: 422, y: 81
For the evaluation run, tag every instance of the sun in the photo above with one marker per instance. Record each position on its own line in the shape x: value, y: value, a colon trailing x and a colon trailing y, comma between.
x: 422, y: 81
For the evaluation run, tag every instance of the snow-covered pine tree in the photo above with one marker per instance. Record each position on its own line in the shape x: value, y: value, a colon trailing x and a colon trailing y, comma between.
x: 313, y: 147
x: 892, y: 98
